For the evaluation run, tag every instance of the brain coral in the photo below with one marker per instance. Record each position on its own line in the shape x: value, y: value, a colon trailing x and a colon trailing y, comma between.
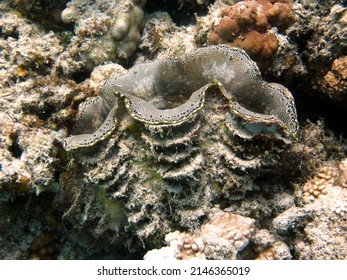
x: 163, y: 140
x: 247, y: 23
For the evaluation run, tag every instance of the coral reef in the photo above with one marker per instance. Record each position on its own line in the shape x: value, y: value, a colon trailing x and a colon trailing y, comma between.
x: 320, y: 32
x: 335, y: 81
x: 29, y: 99
x: 195, y: 178
x: 320, y: 218
x: 247, y: 24
x: 325, y: 29
x: 104, y: 31
x: 221, y: 238
x: 21, y: 57
x: 47, y: 12
x: 30, y: 163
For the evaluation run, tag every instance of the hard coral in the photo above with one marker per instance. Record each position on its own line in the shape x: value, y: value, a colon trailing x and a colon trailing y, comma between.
x: 326, y: 177
x: 258, y: 45
x: 246, y: 25
x: 221, y: 238
x: 317, y: 187
x: 104, y: 31
x: 335, y: 81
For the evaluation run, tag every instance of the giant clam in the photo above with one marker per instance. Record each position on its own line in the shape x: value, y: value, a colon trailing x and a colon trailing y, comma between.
x: 168, y: 138
x: 153, y: 94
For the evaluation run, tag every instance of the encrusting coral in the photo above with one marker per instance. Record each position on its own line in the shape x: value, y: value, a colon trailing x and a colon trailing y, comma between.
x: 247, y: 25
x: 221, y: 238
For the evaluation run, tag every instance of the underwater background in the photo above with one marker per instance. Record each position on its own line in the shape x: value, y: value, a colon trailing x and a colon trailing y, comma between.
x: 135, y: 129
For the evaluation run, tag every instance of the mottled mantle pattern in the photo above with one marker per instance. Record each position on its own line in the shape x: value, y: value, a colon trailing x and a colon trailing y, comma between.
x: 160, y: 145
x: 171, y: 91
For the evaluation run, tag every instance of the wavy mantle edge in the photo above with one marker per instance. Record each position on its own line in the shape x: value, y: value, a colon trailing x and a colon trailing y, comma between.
x: 230, y: 69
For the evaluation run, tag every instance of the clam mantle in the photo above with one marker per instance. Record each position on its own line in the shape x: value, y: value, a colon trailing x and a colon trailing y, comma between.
x: 172, y: 91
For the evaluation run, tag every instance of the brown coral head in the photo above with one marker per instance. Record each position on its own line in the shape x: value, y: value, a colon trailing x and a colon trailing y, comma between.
x: 280, y: 15
x: 247, y: 23
x: 260, y: 47
x: 227, y: 30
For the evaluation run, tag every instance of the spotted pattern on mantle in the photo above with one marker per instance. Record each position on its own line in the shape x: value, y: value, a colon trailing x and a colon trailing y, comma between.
x: 172, y: 91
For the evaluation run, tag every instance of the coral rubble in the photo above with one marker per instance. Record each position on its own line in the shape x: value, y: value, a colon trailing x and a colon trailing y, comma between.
x: 320, y: 31
x: 321, y: 218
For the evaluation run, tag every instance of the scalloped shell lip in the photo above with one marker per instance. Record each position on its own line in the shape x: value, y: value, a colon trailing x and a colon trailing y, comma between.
x: 173, y: 116
x: 90, y: 139
x: 267, y: 120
